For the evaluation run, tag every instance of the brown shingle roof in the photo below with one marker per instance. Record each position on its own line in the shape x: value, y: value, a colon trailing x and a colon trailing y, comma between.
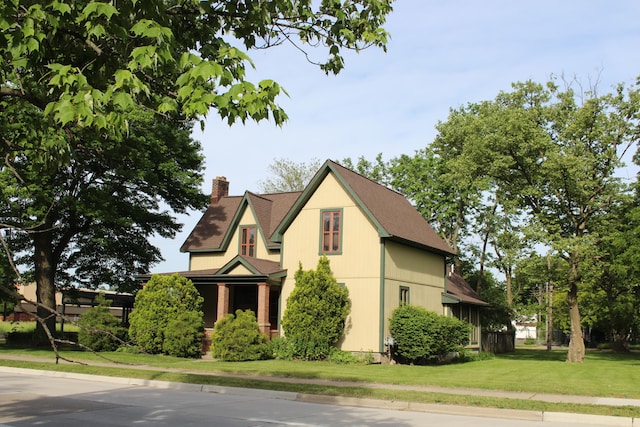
x: 458, y: 287
x: 212, y: 227
x: 398, y: 218
x: 210, y: 231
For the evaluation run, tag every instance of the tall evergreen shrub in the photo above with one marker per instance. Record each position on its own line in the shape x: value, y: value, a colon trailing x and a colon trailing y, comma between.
x: 316, y: 312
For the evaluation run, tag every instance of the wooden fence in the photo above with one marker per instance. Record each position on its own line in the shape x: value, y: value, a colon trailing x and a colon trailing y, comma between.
x: 499, y: 342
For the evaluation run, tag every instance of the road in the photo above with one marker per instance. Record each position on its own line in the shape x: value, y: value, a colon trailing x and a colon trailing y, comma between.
x: 31, y: 399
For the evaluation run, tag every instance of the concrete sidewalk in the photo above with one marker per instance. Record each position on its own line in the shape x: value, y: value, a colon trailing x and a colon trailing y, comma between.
x: 347, y: 401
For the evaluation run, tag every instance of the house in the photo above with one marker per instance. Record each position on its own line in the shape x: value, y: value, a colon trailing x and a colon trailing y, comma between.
x: 244, y: 251
x: 462, y: 302
x: 72, y: 303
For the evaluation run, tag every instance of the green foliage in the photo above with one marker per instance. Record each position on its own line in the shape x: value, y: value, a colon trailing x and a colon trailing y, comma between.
x: 99, y: 329
x: 341, y: 357
x: 316, y: 312
x: 183, y: 335
x: 167, y: 309
x: 423, y: 336
x: 238, y: 338
x: 279, y: 348
x: 86, y: 63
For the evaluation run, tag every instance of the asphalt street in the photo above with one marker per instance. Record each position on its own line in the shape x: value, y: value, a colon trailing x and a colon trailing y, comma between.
x: 37, y: 399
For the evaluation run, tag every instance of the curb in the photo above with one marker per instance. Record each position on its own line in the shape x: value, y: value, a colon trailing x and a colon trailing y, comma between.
x: 515, y: 414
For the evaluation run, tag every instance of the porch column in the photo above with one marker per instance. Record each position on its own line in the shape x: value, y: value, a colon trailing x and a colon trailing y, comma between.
x: 263, y: 308
x: 223, y: 301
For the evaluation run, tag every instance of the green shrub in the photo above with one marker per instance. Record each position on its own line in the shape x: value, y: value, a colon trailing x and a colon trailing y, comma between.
x: 341, y: 357
x: 238, y: 338
x: 279, y: 348
x: 316, y: 312
x: 183, y: 335
x: 167, y: 309
x: 99, y: 329
x: 425, y: 337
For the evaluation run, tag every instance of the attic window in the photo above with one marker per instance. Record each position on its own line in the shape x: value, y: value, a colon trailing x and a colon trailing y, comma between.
x: 331, y: 232
x: 248, y: 241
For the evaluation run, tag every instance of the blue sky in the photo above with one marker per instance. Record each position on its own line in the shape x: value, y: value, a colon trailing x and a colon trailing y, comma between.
x: 441, y: 55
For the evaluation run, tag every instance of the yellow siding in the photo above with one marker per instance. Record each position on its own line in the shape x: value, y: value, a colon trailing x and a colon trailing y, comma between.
x: 357, y: 267
x: 207, y: 260
x: 420, y: 271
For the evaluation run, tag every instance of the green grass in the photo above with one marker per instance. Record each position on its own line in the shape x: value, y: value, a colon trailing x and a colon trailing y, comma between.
x: 6, y: 327
x: 604, y: 374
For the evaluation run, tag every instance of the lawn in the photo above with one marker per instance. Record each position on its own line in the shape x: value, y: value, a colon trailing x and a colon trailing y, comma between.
x: 604, y: 374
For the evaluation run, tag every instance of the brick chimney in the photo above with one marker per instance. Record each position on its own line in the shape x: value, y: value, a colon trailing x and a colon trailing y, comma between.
x: 219, y: 189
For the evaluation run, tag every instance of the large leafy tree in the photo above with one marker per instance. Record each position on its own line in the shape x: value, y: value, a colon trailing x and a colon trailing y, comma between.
x: 553, y: 154
x: 88, y: 62
x: 93, y: 216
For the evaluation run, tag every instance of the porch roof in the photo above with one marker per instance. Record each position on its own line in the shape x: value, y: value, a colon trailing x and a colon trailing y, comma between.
x: 259, y: 270
x: 458, y: 291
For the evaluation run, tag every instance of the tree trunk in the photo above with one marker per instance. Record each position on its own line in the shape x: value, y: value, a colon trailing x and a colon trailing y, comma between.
x: 576, y: 345
x: 44, y: 269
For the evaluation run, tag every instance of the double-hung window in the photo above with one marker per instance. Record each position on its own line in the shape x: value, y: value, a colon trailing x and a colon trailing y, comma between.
x: 248, y: 241
x: 331, y: 239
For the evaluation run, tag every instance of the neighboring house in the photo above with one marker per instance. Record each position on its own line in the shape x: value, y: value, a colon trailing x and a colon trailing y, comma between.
x: 71, y: 303
x: 244, y: 251
x: 462, y: 302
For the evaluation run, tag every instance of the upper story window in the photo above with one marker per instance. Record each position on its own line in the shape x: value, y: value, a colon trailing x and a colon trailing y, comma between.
x: 248, y: 241
x: 331, y: 239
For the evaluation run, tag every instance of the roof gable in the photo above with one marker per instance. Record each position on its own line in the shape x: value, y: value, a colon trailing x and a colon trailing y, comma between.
x: 389, y: 211
x: 217, y: 225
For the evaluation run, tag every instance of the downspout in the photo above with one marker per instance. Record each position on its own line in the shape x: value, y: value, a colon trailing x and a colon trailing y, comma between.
x: 381, y: 347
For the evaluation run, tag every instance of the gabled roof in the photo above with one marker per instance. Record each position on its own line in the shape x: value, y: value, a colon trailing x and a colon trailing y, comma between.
x: 389, y: 211
x: 257, y: 266
x: 213, y: 225
x: 459, y: 291
x: 217, y: 224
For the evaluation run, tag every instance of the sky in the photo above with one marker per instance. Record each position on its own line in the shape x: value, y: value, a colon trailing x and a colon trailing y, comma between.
x: 441, y: 56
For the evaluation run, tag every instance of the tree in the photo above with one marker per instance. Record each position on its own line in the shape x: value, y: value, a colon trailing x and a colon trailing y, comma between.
x: 86, y: 63
x: 316, y: 312
x: 164, y: 303
x: 553, y: 152
x: 289, y: 175
x: 76, y: 75
x: 90, y: 221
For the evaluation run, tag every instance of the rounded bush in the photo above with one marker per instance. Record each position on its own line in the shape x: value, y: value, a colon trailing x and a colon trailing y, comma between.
x: 423, y: 336
x: 238, y: 338
x: 167, y: 309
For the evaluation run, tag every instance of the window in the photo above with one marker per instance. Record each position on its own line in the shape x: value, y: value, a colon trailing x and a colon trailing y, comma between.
x: 331, y: 232
x: 404, y: 295
x: 248, y: 241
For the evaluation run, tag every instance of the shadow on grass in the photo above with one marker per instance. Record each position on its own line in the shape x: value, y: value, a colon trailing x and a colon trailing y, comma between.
x: 561, y: 355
